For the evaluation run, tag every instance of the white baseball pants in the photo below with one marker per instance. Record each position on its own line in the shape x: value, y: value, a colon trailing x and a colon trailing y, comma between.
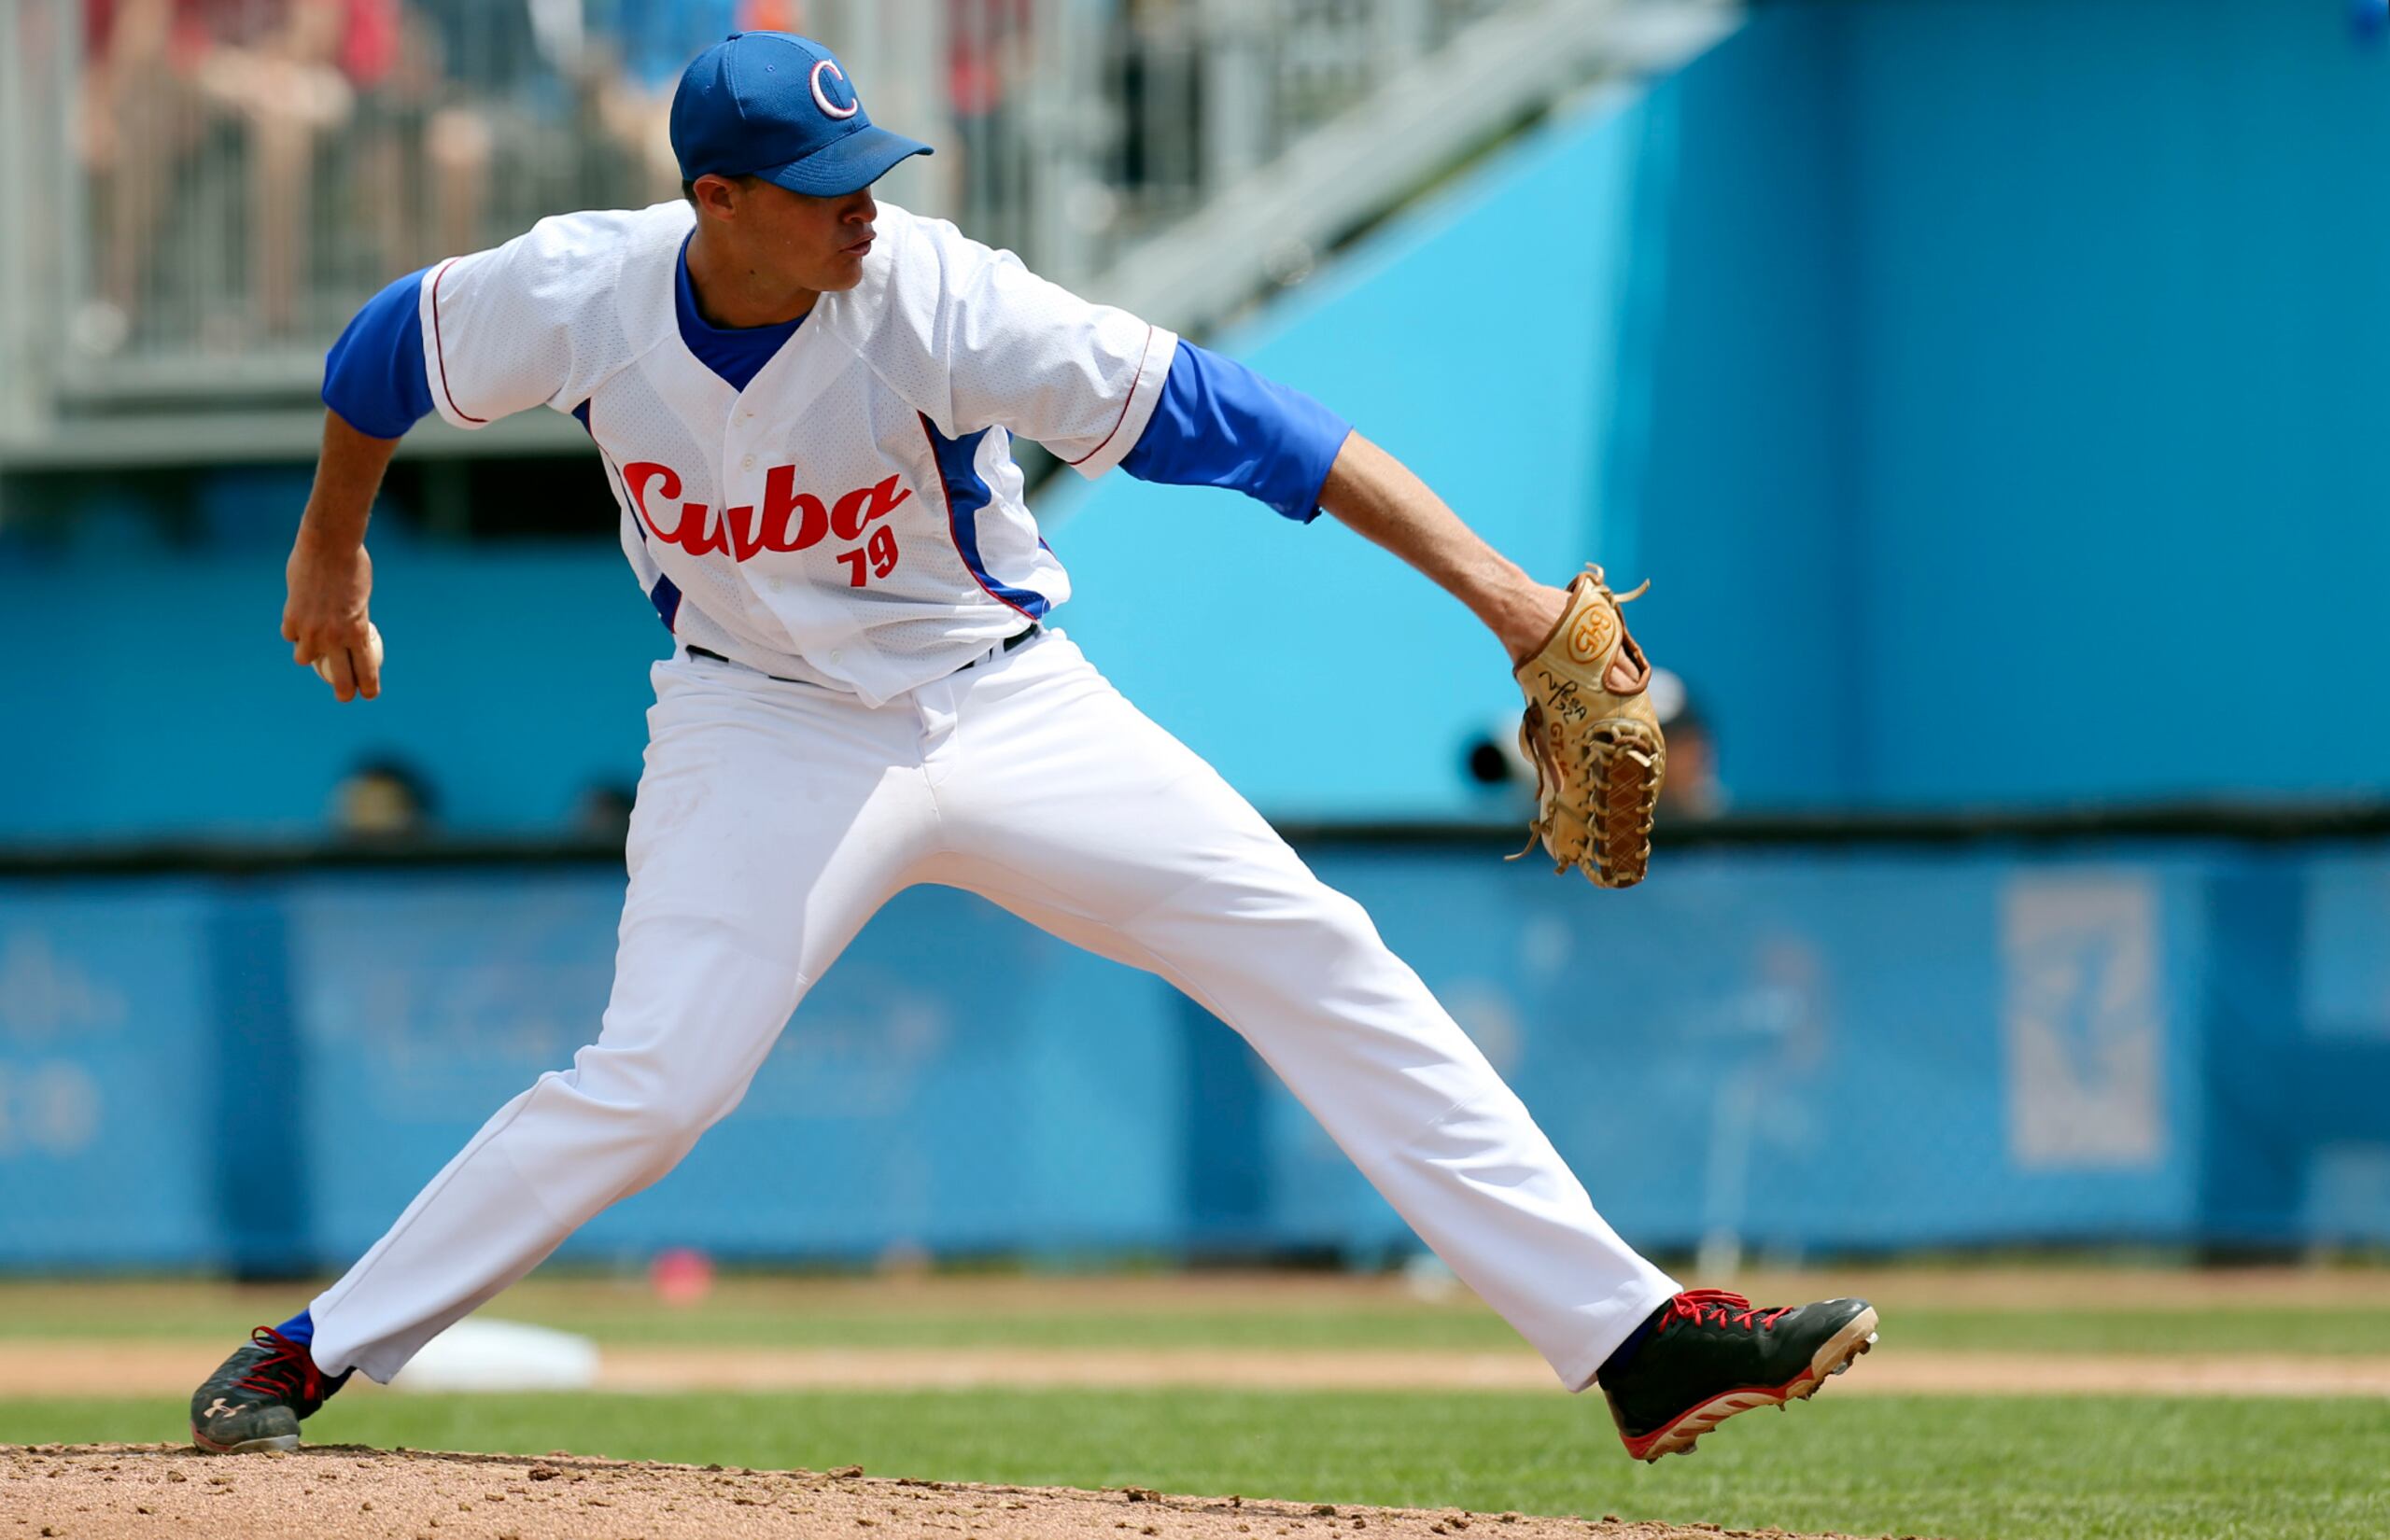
x: 774, y: 818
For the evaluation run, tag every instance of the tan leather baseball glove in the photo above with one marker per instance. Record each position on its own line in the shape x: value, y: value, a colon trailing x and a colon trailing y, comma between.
x: 1594, y: 739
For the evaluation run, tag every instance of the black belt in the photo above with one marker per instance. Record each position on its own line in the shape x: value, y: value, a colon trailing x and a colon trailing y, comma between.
x: 1008, y: 644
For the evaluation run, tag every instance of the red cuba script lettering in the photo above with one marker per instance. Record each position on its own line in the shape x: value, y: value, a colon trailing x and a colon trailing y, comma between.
x: 864, y: 504
x: 790, y: 520
x: 695, y: 531
x: 781, y: 501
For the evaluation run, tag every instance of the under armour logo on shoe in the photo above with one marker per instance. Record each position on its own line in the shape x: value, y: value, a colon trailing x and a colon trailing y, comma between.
x: 219, y: 1409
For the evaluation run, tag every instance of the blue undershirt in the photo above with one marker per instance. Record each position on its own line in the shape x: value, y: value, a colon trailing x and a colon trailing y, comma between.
x: 1218, y: 423
x: 737, y: 352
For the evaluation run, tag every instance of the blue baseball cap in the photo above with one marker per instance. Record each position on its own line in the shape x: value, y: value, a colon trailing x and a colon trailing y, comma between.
x: 779, y: 106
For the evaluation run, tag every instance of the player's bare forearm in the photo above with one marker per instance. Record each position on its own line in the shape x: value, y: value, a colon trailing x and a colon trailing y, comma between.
x: 1380, y: 498
x: 330, y: 575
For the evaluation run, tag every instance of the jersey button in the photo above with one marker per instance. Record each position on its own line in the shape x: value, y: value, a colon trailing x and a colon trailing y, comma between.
x: 747, y: 464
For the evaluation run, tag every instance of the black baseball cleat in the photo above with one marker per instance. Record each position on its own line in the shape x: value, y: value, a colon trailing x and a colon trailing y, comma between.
x: 1710, y: 1354
x: 256, y: 1399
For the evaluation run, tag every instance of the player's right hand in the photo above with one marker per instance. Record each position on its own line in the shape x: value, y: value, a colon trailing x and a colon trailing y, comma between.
x: 325, y: 617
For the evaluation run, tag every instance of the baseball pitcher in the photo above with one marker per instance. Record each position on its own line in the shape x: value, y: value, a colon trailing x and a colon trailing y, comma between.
x: 805, y: 400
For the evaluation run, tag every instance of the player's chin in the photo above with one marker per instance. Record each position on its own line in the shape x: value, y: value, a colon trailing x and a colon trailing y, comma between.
x: 846, y: 268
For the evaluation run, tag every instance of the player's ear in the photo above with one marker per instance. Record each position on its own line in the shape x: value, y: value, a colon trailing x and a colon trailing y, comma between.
x: 716, y: 195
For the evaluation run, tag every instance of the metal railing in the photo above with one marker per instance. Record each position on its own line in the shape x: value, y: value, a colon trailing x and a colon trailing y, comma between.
x: 197, y: 197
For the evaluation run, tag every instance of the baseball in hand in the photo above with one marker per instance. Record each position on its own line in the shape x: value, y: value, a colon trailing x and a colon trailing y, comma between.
x: 373, y: 648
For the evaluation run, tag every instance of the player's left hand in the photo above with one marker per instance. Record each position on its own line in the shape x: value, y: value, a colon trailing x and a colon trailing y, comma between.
x: 1595, y: 741
x: 1532, y: 619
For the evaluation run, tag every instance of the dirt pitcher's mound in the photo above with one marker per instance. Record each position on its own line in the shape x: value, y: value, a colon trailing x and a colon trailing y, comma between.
x: 108, y: 1492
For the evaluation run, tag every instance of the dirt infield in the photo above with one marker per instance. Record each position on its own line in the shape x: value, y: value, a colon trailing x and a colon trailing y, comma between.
x: 121, y: 1492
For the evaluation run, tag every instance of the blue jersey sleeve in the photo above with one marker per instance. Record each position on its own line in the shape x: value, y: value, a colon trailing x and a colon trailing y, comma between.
x: 373, y: 376
x: 1219, y: 423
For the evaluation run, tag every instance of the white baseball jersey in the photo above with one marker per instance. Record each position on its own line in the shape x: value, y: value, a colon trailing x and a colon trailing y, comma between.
x: 853, y: 518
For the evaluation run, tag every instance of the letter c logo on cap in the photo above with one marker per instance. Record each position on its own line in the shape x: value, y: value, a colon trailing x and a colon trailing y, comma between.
x: 821, y: 98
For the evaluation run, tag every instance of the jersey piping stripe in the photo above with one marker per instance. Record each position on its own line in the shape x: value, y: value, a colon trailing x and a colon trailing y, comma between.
x: 967, y: 493
x: 1082, y: 459
x: 666, y: 594
x: 440, y: 352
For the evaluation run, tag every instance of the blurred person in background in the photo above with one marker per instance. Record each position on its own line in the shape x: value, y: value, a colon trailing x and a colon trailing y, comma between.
x: 603, y: 812
x: 139, y: 121
x: 989, y: 48
x: 478, y: 88
x: 639, y: 48
x: 1691, y: 788
x: 390, y: 141
x: 294, y: 86
x: 163, y: 73
x: 1495, y: 765
x: 384, y: 799
x: 507, y: 74
x: 1159, y: 72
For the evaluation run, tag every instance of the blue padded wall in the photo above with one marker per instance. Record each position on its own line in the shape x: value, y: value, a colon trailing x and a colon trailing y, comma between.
x: 1815, y: 1049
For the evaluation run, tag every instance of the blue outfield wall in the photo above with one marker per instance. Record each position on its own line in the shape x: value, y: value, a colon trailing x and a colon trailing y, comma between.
x: 1820, y: 1050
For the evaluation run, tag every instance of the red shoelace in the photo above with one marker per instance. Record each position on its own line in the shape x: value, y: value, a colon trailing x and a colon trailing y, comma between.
x: 286, y: 1369
x: 1697, y: 1305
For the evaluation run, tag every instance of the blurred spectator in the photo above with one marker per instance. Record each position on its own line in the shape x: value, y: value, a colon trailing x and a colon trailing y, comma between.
x: 391, y: 151
x: 1158, y: 80
x: 164, y: 74
x: 382, y: 799
x: 1691, y: 788
x: 1493, y: 760
x: 284, y: 72
x: 638, y: 49
x: 489, y: 68
x: 604, y: 812
x: 476, y: 87
x: 989, y: 52
x: 137, y: 127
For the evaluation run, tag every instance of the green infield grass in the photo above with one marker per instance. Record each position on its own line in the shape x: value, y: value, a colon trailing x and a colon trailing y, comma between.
x: 772, y: 1314
x: 1977, y: 1469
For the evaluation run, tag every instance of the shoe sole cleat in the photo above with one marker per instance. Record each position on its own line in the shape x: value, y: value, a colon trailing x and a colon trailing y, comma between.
x: 1834, y: 1356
